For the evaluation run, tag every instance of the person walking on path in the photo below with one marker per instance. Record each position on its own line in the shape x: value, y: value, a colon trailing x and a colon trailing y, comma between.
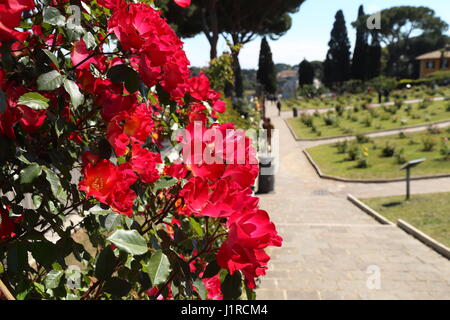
x: 268, y: 126
x: 279, y: 107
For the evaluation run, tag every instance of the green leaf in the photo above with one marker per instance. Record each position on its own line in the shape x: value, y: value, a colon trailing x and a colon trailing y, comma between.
x: 37, y: 200
x: 74, y: 32
x: 196, y: 226
x: 89, y: 40
x: 55, y: 184
x: 124, y: 74
x: 39, y: 288
x: 105, y: 264
x: 52, y: 57
x: 75, y: 95
x: 211, y: 270
x: 129, y: 241
x: 158, y: 268
x: 30, y: 173
x: 54, y: 17
x: 50, y: 81
x: 17, y: 258
x: 2, y: 102
x: 251, y: 294
x: 165, y: 183
x: 53, y: 279
x: 201, y: 289
x: 232, y: 286
x: 112, y: 220
x: 34, y: 100
x: 117, y: 287
x: 44, y: 252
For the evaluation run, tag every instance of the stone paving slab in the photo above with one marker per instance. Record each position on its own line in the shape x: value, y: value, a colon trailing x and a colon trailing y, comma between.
x: 333, y: 250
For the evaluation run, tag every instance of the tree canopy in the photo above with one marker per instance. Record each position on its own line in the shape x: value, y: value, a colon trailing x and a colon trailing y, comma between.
x: 305, y: 73
x: 399, y: 25
x: 238, y: 20
x: 360, y: 56
x: 266, y: 72
x: 337, y: 63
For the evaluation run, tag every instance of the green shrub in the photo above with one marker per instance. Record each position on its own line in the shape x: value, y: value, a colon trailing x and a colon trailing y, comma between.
x: 360, y: 139
x: 352, y: 152
x: 425, y: 103
x: 307, y: 120
x: 428, y: 143
x: 342, y: 146
x: 390, y: 109
x: 362, y: 158
x: 434, y: 130
x: 402, y: 135
x: 339, y: 109
x: 367, y: 121
x: 398, y: 103
x: 348, y: 130
x: 388, y: 150
x: 400, y: 156
x: 445, y: 148
x: 330, y: 119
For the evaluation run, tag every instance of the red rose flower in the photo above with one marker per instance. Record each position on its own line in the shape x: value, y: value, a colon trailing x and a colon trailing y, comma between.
x: 110, y: 185
x: 212, y: 285
x: 7, y: 225
x: 157, y: 51
x: 125, y: 127
x: 249, y: 233
x: 144, y: 163
x: 183, y: 3
x: 178, y: 171
x: 10, y: 14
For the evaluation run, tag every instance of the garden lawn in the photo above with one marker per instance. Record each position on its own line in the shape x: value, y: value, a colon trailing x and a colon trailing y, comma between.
x: 345, y: 100
x: 427, y: 212
x: 353, y: 122
x: 333, y: 163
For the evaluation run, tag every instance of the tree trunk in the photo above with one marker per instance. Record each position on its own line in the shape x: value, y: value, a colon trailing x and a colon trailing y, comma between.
x: 238, y: 83
x: 214, y: 28
x: 213, y: 43
x: 211, y: 27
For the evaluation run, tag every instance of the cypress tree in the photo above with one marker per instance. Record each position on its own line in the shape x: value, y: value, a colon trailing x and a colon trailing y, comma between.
x: 266, y: 74
x: 337, y: 62
x: 374, y: 57
x: 305, y: 73
x: 359, y: 67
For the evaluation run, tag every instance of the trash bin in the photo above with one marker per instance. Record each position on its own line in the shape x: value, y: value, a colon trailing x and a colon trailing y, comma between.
x: 266, y: 181
x: 295, y: 111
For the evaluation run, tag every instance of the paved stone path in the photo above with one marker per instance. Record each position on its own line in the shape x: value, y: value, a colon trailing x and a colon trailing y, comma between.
x: 331, y: 249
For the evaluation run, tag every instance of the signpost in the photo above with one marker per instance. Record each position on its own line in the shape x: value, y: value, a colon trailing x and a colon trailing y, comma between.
x: 407, y: 166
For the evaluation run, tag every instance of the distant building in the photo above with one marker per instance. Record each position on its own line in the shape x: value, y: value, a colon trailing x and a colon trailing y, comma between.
x: 287, y: 83
x: 438, y: 60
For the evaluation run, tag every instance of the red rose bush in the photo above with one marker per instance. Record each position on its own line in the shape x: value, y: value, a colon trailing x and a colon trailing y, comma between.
x: 116, y: 178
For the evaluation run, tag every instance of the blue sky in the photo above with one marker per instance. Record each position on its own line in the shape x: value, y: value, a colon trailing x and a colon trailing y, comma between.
x: 310, y: 32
